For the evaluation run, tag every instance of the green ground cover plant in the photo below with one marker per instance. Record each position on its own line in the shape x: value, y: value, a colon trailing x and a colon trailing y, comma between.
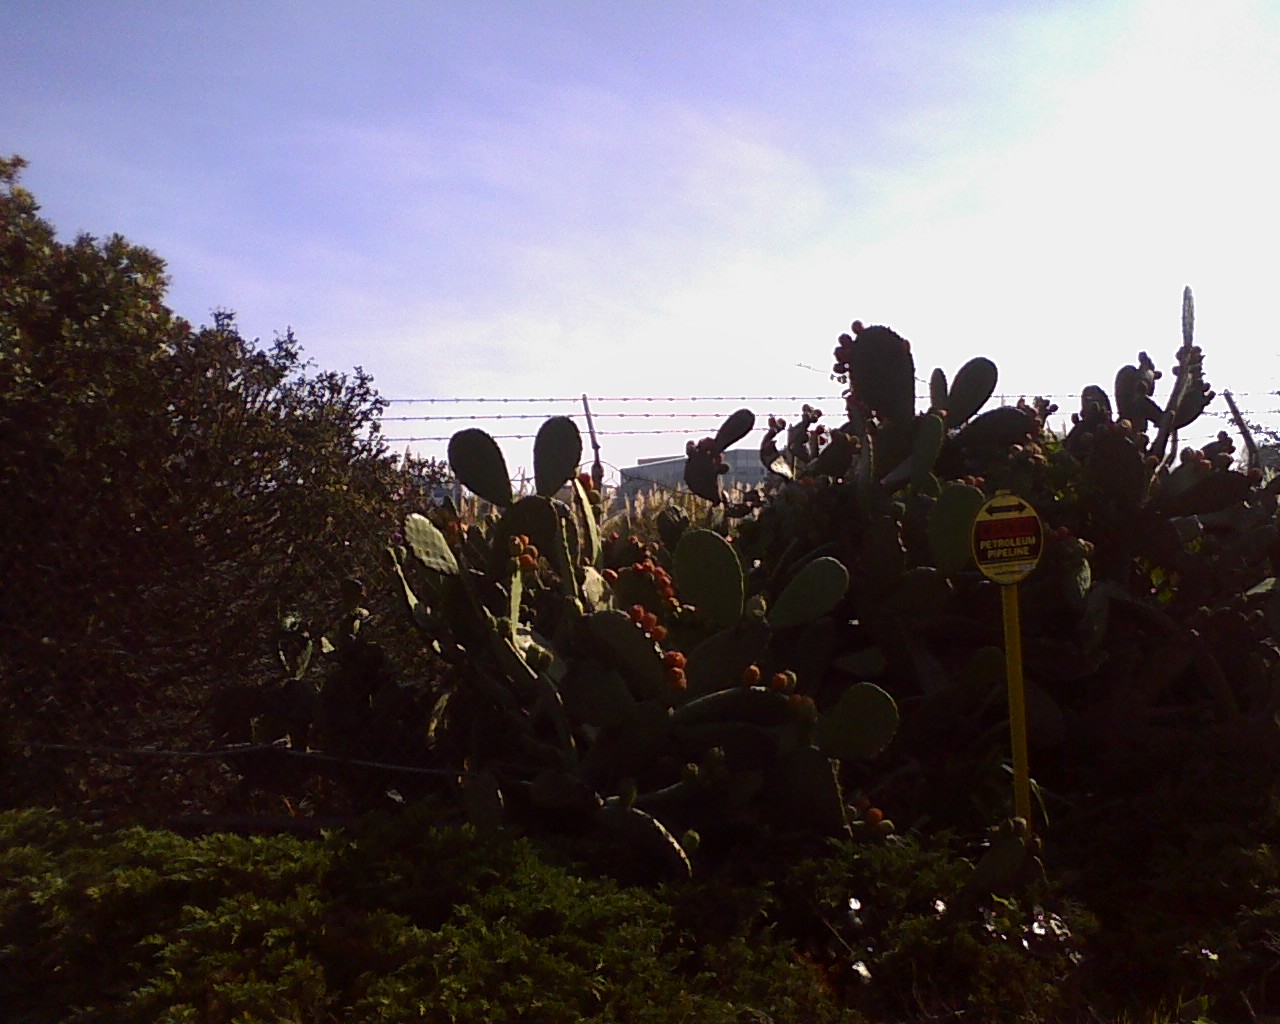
x: 403, y: 918
x: 394, y: 923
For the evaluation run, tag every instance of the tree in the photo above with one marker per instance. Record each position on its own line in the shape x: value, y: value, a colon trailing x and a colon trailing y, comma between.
x: 166, y: 491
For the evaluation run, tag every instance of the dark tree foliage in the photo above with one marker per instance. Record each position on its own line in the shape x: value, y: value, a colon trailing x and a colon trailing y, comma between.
x: 165, y: 492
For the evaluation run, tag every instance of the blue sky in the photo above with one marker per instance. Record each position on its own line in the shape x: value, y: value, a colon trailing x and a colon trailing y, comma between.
x: 662, y: 199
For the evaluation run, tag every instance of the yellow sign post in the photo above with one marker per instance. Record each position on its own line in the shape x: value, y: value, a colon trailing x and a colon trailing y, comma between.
x: 1007, y: 543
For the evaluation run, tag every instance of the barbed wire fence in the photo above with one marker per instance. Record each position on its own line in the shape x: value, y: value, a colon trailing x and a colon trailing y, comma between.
x: 680, y: 418
x: 244, y: 746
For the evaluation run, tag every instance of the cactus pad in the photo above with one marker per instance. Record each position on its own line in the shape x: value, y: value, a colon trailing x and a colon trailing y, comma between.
x: 428, y: 544
x: 630, y: 651
x: 937, y: 389
x: 950, y: 526
x: 974, y: 384
x: 930, y: 431
x: 557, y: 451
x: 737, y: 426
x: 476, y: 460
x: 812, y: 592
x: 860, y: 724
x: 882, y: 374
x: 719, y: 662
x: 708, y: 575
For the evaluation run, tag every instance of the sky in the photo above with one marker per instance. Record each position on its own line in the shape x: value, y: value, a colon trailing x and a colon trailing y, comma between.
x: 662, y: 200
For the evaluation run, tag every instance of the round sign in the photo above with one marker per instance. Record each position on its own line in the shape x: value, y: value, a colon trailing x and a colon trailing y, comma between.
x: 1007, y: 539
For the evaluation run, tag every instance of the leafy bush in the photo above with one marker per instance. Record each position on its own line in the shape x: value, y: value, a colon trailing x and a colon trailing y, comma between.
x: 409, y: 923
x: 168, y: 493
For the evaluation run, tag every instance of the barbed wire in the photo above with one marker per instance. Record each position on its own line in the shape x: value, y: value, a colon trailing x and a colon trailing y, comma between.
x: 577, y: 399
x: 677, y: 418
x: 538, y: 416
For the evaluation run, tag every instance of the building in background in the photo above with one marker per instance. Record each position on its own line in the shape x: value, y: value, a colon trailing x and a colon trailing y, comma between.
x: 667, y: 473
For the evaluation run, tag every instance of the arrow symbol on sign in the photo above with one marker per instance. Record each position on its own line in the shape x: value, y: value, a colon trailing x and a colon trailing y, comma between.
x: 1017, y: 506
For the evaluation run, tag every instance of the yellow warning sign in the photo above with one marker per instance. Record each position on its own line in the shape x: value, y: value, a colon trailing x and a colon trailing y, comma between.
x: 1007, y: 539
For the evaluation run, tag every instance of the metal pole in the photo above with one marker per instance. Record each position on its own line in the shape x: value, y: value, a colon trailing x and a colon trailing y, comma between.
x: 597, y: 468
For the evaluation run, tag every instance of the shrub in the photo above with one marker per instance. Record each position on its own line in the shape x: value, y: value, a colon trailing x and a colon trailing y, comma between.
x: 392, y: 924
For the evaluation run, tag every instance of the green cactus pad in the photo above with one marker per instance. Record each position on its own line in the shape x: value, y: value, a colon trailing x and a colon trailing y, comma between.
x: 708, y: 576
x: 865, y: 664
x: 745, y: 746
x: 536, y: 518
x: 755, y: 705
x: 883, y: 554
x: 595, y: 591
x: 997, y: 428
x: 719, y: 662
x: 894, y: 444
x: 594, y: 553
x: 557, y: 451
x: 974, y: 384
x: 938, y: 389
x: 556, y: 790
x: 633, y: 588
x: 882, y: 373
x: 515, y: 591
x: 596, y: 695
x: 1117, y: 470
x: 921, y: 592
x: 812, y: 592
x: 523, y: 679
x: 950, y: 526
x: 835, y: 459
x: 647, y: 840
x: 774, y: 460
x: 1212, y: 493
x: 808, y: 793
x: 930, y: 432
x: 859, y: 725
x: 428, y: 545
x: 630, y: 651
x: 419, y: 613
x: 476, y: 460
x: 734, y: 429
x: 702, y: 477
